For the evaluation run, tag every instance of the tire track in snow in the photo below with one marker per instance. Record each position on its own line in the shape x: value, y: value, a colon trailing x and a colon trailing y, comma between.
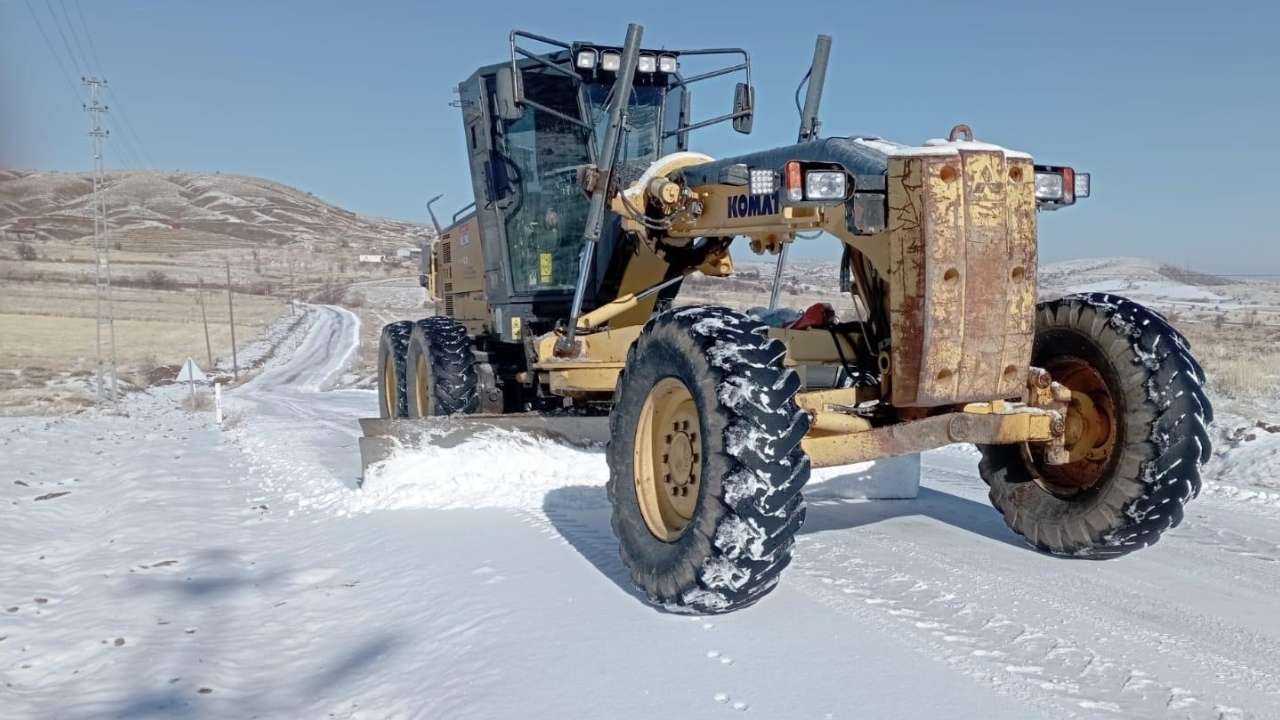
x: 1029, y: 660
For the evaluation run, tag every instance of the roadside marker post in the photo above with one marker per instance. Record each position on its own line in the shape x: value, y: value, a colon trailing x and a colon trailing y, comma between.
x: 191, y: 372
x: 217, y: 403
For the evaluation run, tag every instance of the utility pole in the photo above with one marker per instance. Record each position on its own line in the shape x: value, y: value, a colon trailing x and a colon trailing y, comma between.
x: 231, y: 312
x: 106, y: 328
x: 208, y: 347
x: 293, y: 284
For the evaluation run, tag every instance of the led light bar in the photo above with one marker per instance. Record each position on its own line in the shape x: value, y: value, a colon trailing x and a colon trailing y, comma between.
x: 763, y: 182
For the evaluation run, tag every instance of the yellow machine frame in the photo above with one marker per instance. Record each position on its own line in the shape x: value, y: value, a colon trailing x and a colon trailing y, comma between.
x: 960, y: 240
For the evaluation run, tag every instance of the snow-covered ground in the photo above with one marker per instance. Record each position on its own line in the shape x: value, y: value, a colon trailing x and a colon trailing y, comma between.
x: 155, y: 565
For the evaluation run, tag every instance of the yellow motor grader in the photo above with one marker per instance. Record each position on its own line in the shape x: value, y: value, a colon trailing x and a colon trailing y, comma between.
x: 559, y: 286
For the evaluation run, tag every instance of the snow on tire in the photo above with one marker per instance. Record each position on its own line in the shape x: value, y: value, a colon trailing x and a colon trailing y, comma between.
x: 393, y: 350
x: 443, y: 369
x: 741, y: 428
x: 1132, y: 490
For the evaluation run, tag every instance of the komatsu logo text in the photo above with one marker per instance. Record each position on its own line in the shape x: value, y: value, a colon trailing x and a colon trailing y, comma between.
x: 741, y: 206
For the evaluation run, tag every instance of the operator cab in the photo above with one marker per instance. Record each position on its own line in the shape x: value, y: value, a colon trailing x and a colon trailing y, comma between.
x: 544, y: 149
x: 533, y: 128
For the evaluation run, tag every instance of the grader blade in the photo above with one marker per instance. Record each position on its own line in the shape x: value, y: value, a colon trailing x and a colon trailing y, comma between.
x: 382, y: 436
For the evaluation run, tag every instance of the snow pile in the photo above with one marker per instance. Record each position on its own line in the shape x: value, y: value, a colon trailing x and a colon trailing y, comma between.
x: 497, y: 468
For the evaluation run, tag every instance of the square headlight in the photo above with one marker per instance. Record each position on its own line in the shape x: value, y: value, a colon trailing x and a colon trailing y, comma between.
x: 1048, y: 186
x: 610, y: 60
x: 824, y: 185
x: 586, y: 59
x: 647, y: 63
x: 667, y: 63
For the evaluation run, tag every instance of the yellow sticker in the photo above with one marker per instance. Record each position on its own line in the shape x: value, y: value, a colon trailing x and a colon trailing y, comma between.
x: 544, y: 265
x: 515, y: 328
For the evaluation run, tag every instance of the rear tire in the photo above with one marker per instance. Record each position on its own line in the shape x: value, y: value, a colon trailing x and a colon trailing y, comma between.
x: 1133, y: 477
x: 393, y: 350
x: 705, y: 464
x: 443, y: 369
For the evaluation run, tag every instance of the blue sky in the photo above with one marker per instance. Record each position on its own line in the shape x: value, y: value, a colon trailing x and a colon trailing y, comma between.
x: 1173, y: 106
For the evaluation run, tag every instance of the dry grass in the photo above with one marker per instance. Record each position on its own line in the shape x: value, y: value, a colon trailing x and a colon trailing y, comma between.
x: 48, y: 330
x: 1240, y: 362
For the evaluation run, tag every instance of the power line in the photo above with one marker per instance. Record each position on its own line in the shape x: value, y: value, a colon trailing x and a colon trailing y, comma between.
x: 128, y: 126
x: 74, y: 60
x: 128, y: 140
x: 75, y: 39
x: 88, y: 36
x: 57, y: 57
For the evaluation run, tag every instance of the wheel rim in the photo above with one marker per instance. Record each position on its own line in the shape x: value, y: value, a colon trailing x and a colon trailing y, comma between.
x: 668, y: 459
x: 422, y: 386
x: 1091, y: 430
x: 390, y: 386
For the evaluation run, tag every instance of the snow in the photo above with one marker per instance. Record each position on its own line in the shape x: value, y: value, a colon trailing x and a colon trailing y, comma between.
x: 937, y: 147
x: 192, y: 571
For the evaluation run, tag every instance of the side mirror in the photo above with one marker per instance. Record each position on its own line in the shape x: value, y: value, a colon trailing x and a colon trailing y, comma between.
x: 744, y: 101
x: 505, y: 92
x: 682, y: 139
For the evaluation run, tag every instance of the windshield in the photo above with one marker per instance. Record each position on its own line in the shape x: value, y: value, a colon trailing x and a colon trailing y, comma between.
x: 642, y: 137
x: 548, y: 214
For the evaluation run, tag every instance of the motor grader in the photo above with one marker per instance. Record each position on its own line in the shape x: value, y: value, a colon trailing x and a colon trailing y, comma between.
x: 559, y: 305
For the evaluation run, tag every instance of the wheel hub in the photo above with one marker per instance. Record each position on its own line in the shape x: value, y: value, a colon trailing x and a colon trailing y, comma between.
x: 680, y: 459
x: 668, y: 459
x: 390, y: 386
x: 422, y: 387
x: 1091, y: 431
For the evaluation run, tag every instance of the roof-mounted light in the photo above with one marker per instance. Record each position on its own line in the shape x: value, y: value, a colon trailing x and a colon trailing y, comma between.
x: 610, y: 60
x: 647, y: 63
x: 586, y: 59
x: 668, y: 63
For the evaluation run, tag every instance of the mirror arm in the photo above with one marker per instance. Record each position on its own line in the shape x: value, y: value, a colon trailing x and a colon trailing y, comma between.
x: 704, y: 123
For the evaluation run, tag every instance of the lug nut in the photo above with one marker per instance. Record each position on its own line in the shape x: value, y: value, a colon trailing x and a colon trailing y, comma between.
x: 1057, y: 425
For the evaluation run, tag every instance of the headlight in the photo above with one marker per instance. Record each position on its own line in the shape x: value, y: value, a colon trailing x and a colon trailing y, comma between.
x: 586, y: 59
x: 647, y: 63
x: 824, y: 185
x: 610, y: 60
x: 667, y: 63
x: 1082, y: 185
x: 763, y: 182
x: 1048, y: 186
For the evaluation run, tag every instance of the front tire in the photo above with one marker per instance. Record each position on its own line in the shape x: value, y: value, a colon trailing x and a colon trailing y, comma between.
x: 1136, y: 432
x: 393, y: 351
x: 705, y: 464
x: 443, y: 368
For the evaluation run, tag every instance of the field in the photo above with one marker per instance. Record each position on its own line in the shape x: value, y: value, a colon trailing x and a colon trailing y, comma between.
x: 173, y: 239
x: 49, y: 331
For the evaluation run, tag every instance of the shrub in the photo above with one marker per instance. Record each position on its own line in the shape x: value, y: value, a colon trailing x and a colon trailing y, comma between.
x: 157, y: 280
